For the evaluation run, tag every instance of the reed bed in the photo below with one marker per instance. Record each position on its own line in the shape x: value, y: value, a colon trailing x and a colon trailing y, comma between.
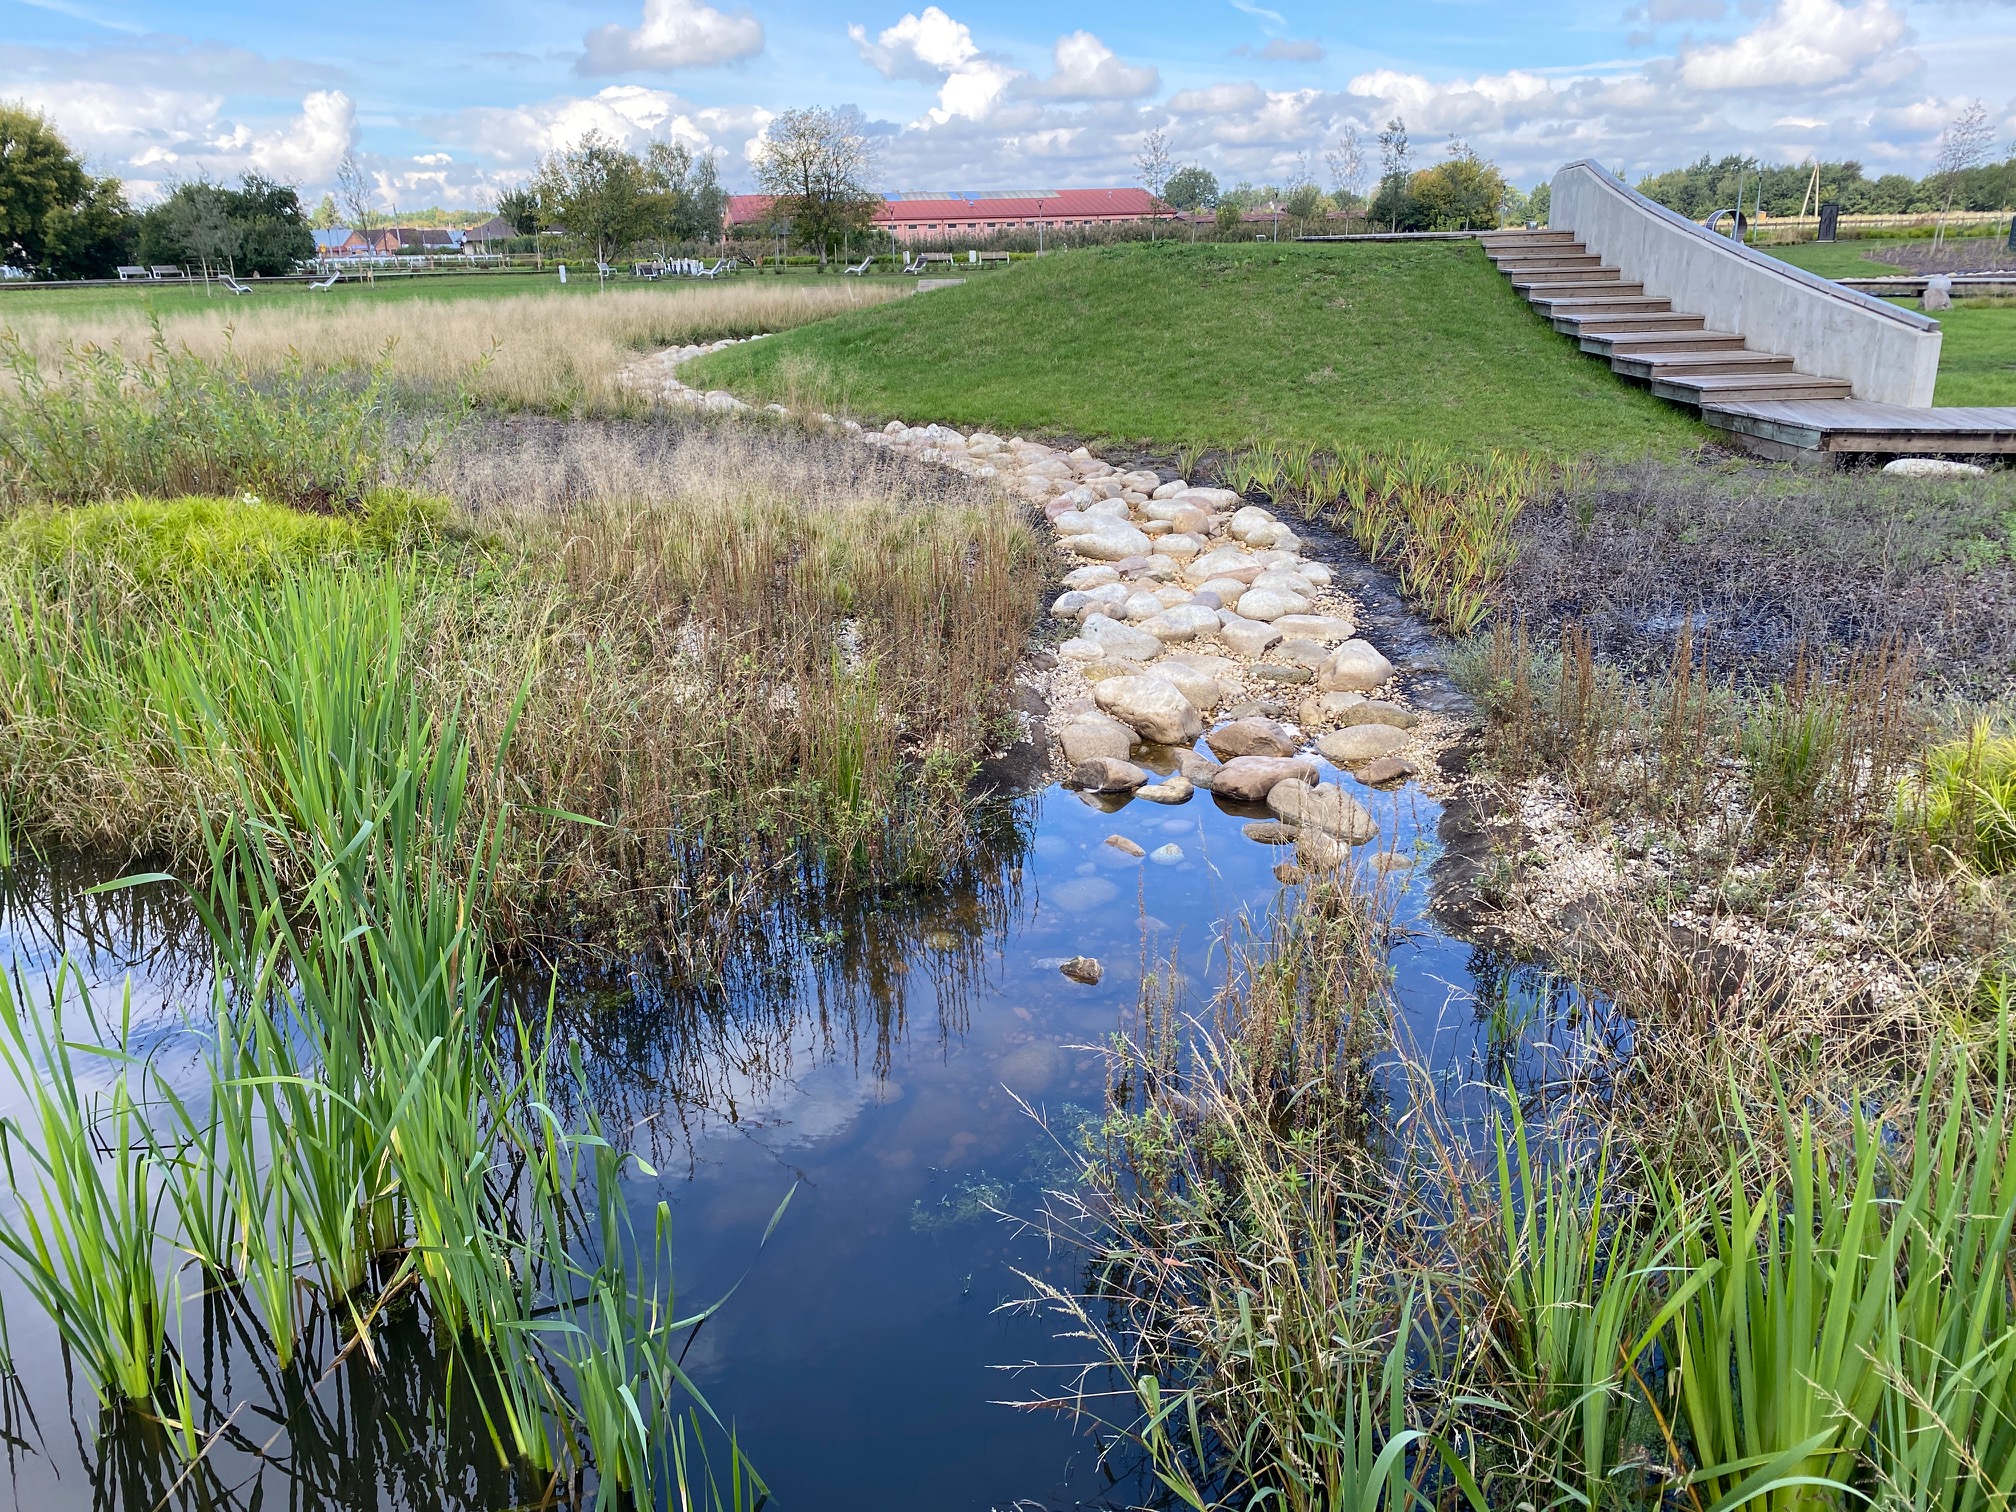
x: 706, y: 663
x: 1302, y: 1295
x: 370, y: 1131
x: 1443, y: 523
x: 543, y: 351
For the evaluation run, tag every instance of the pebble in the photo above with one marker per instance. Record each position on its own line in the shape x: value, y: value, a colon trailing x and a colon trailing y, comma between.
x: 1322, y: 806
x: 1385, y: 770
x: 1125, y: 846
x: 1166, y: 855
x: 1269, y: 832
x: 1176, y: 789
x: 1252, y: 737
x: 1356, y: 744
x: 1084, y: 969
x: 1251, y: 779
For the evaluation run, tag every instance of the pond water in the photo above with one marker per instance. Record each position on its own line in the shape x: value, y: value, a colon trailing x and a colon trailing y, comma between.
x: 885, y: 1070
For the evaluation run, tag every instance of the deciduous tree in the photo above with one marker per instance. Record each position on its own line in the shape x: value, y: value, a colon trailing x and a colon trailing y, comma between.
x: 820, y: 164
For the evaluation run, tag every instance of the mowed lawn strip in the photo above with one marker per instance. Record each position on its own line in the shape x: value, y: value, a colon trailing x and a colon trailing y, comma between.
x: 171, y: 298
x: 1366, y: 344
x: 1977, y: 360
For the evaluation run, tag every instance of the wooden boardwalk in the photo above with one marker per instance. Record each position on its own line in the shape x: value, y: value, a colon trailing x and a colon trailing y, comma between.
x: 1856, y: 425
x: 1759, y: 398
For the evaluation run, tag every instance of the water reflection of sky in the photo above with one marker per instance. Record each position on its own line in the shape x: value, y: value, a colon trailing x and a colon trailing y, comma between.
x: 884, y: 1072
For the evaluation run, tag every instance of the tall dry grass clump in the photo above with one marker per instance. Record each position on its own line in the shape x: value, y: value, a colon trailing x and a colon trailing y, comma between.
x: 545, y: 351
x: 1305, y: 1295
x: 701, y: 661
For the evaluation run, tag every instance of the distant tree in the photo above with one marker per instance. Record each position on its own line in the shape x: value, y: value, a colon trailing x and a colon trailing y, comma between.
x: 47, y: 200
x: 1462, y: 193
x: 1346, y: 161
x: 272, y: 232
x: 1191, y: 189
x: 326, y: 217
x: 820, y: 164
x: 690, y: 202
x: 256, y: 228
x: 1541, y: 201
x: 1394, y: 160
x: 1230, y: 215
x: 519, y: 209
x: 1155, y: 166
x: 1964, y: 144
x: 599, y: 192
x: 93, y: 237
x: 359, y: 195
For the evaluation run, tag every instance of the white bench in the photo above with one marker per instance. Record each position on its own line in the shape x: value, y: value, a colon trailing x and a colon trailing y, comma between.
x: 127, y: 275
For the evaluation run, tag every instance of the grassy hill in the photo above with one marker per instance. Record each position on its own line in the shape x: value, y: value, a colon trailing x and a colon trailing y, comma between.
x: 1365, y: 343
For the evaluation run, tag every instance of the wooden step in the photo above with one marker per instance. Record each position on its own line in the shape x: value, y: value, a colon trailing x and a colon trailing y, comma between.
x: 1526, y: 278
x: 1665, y: 320
x: 1595, y: 283
x: 1599, y: 304
x: 1492, y: 239
x: 1538, y: 263
x: 1619, y: 343
x: 1736, y: 388
x: 1668, y: 364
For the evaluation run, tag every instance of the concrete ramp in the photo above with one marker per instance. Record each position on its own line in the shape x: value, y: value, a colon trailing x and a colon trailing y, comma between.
x: 1884, y: 354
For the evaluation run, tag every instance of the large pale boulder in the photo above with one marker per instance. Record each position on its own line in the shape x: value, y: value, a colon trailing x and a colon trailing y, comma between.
x: 1184, y: 622
x: 1376, y: 711
x: 1071, y: 522
x: 1225, y: 561
x: 1091, y: 734
x: 1201, y: 688
x: 1104, y: 774
x: 1357, y: 744
x: 1246, y: 523
x: 1328, y: 708
x: 1169, y: 490
x: 1087, y: 578
x: 1154, y: 707
x: 1355, y: 667
x: 1247, y: 637
x: 1322, y: 806
x: 1250, y: 779
x: 1252, y: 737
x: 1316, y: 627
x: 1112, y: 541
x: 1198, y: 768
x: 1179, y: 548
x: 1270, y: 604
x: 1211, y: 498
x: 1116, y: 639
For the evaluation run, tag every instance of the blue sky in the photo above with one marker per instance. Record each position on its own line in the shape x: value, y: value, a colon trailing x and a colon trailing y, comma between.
x: 447, y: 102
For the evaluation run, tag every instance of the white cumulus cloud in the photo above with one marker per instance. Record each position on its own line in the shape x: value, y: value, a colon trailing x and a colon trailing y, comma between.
x: 1801, y: 44
x: 933, y: 47
x: 675, y: 34
x: 1087, y: 69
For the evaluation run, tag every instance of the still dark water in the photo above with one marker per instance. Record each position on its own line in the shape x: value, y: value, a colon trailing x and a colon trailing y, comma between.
x: 878, y: 1068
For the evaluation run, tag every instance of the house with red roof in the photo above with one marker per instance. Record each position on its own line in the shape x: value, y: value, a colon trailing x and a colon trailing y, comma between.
x: 948, y: 216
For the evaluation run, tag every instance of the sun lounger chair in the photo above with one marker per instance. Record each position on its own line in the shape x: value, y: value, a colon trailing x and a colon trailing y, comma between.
x: 127, y: 275
x: 861, y: 267
x: 725, y: 265
x: 330, y: 282
x: 233, y: 285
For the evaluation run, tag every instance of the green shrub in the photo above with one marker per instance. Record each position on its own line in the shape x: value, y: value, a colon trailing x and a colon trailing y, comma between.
x: 1965, y: 799
x: 153, y: 543
x: 98, y: 425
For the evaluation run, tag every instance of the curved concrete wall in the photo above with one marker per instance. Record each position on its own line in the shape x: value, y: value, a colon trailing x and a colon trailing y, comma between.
x: 1890, y: 355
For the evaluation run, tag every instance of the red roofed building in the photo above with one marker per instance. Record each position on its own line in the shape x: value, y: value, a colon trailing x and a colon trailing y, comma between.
x: 948, y: 217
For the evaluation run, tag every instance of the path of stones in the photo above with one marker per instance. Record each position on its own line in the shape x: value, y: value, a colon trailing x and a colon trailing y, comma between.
x: 1197, y: 616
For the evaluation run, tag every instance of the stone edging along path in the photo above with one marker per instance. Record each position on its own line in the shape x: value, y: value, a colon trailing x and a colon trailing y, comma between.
x: 1196, y: 616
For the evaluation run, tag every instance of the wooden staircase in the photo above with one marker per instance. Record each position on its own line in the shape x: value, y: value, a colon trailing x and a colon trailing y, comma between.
x: 1642, y: 335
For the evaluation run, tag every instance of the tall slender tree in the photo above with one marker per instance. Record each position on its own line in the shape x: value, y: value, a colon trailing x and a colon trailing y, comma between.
x: 820, y: 165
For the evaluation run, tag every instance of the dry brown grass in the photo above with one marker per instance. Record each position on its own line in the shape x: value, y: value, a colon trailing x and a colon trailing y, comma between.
x: 749, y: 650
x: 548, y: 351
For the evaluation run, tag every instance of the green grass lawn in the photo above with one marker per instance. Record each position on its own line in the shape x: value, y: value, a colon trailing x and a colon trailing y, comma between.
x: 1168, y: 344
x: 1836, y: 259
x: 174, y: 299
x: 1977, y: 360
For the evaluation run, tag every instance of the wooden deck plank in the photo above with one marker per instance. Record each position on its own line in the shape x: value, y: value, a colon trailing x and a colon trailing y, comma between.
x: 1858, y: 425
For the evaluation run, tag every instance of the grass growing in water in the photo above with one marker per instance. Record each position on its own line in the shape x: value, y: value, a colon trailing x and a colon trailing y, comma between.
x: 371, y: 1129
x: 1567, y: 1318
